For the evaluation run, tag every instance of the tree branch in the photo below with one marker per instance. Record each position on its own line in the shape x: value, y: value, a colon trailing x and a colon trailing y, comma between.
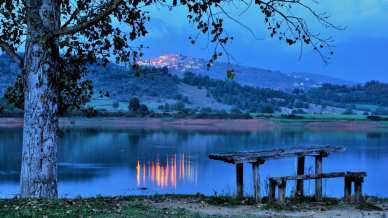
x: 11, y: 53
x: 89, y: 23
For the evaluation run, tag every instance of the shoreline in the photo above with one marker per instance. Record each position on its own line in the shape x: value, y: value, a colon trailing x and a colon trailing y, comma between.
x: 191, y: 124
x: 189, y: 206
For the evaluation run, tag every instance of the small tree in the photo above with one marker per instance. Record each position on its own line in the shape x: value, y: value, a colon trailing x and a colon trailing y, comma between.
x: 267, y: 109
x: 134, y: 104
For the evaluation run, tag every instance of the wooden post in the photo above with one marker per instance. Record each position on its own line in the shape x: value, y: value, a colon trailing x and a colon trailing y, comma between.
x: 318, y: 182
x: 358, y: 190
x: 300, y: 171
x: 256, y: 181
x: 282, y: 191
x: 240, y: 180
x: 347, y: 190
x: 271, y: 190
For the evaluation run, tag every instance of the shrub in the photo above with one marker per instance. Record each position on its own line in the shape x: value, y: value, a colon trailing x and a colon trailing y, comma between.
x: 90, y: 112
x: 298, y: 111
x: 134, y: 104
x: 291, y: 116
x: 143, y: 109
x: 267, y: 109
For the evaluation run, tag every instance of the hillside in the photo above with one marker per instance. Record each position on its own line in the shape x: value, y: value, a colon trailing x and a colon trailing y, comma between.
x: 176, y: 88
x: 256, y: 77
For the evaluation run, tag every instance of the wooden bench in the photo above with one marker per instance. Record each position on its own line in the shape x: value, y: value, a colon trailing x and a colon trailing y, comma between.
x: 350, y: 177
x: 257, y: 158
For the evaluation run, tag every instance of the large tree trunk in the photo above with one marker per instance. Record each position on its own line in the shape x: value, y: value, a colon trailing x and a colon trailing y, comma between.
x: 38, y: 177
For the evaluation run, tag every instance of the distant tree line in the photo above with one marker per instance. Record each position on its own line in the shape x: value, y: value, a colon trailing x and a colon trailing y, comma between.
x: 249, y: 98
x: 370, y: 93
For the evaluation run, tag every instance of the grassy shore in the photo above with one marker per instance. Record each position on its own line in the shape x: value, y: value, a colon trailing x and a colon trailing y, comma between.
x: 187, y: 206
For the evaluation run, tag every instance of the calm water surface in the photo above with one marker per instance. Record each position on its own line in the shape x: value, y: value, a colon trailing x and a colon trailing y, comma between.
x: 122, y: 162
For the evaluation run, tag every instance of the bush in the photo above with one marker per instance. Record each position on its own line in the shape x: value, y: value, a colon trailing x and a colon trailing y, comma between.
x: 134, y: 104
x: 143, y: 109
x: 374, y: 118
x: 291, y: 116
x: 90, y: 112
x: 267, y: 109
x: 298, y: 111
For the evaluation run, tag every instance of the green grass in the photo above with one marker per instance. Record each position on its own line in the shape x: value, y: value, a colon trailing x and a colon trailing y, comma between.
x: 140, y: 206
x: 92, y: 207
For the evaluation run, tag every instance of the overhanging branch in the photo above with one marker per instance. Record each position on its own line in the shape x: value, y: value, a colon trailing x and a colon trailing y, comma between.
x: 11, y: 53
x: 89, y: 23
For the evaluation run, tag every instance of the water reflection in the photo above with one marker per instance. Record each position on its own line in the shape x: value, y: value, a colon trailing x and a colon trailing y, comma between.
x: 166, y: 173
x: 121, y: 162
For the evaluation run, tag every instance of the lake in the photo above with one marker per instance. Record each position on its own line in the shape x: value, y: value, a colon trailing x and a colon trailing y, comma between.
x: 139, y: 162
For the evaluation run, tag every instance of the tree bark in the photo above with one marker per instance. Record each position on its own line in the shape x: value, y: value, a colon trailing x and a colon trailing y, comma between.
x: 38, y: 178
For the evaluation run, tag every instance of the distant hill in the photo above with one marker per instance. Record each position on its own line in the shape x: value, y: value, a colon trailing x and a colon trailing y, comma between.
x: 256, y: 77
x: 184, y: 83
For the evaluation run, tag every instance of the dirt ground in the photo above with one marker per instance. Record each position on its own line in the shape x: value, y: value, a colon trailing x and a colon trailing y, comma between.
x: 260, y: 210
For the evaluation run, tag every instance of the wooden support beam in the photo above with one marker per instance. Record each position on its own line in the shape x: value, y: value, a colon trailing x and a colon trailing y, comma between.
x: 358, y: 191
x: 354, y: 175
x: 263, y: 155
x: 300, y: 171
x: 282, y: 191
x: 256, y: 182
x: 240, y: 180
x: 271, y: 190
x: 348, y: 190
x: 318, y: 182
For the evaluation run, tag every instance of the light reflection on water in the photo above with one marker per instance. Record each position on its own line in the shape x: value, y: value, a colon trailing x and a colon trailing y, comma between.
x: 166, y: 173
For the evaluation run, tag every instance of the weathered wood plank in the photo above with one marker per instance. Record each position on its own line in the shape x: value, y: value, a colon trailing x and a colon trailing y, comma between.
x: 300, y: 171
x: 240, y: 180
x: 255, y: 156
x: 271, y: 190
x: 256, y: 181
x: 282, y: 191
x: 358, y: 191
x: 347, y: 189
x: 321, y: 176
x: 318, y: 181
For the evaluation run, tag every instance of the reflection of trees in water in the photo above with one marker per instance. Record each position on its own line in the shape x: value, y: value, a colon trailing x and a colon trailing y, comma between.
x: 125, y: 147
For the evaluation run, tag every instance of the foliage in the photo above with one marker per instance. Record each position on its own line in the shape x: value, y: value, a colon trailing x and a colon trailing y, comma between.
x: 134, y: 104
x: 73, y: 93
x: 121, y: 82
x: 291, y: 116
x: 243, y: 97
x: 136, y: 107
x: 372, y: 92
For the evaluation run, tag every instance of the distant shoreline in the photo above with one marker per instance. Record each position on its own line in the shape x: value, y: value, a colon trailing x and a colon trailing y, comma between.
x: 190, y: 124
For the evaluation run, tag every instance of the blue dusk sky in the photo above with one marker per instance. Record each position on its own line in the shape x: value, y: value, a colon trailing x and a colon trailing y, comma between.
x: 361, y: 52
